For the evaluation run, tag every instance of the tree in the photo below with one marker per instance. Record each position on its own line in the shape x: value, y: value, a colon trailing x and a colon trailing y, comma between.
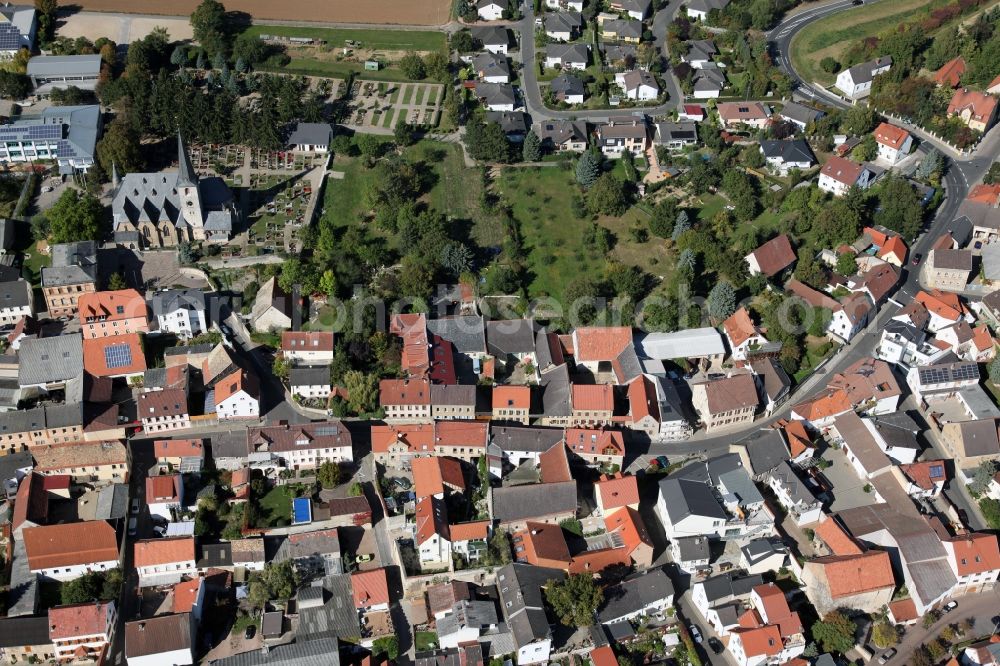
x: 682, y: 224
x: 921, y: 657
x: 607, y: 196
x: 412, y: 66
x: 280, y: 367
x: 866, y: 150
x: 438, y: 66
x: 119, y: 146
x: 462, y: 41
x: 362, y: 391
x: 487, y: 141
x: 847, y: 264
x: 82, y: 589
x: 40, y: 228
x: 276, y: 581
x: 403, y: 134
x: 821, y: 318
x: 859, y: 119
x: 829, y: 65
x: 531, y: 149
x: 588, y: 168
x: 835, y: 632
x: 387, y: 645
x: 208, y: 23
x: 46, y: 19
x: 75, y: 217
x: 575, y: 599
x: 931, y: 165
x: 456, y: 257
x: 994, y: 370
x: 993, y: 174
x: 117, y: 282
x: 498, y: 551
x: 899, y: 207
x: 178, y: 56
x: 984, y: 475
x: 721, y: 301
x: 884, y: 634
x: 14, y: 85
x: 369, y: 145
x: 663, y: 220
x: 328, y: 474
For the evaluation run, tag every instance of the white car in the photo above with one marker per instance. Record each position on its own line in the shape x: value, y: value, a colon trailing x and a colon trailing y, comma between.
x: 950, y: 606
x: 160, y: 530
x: 696, y: 633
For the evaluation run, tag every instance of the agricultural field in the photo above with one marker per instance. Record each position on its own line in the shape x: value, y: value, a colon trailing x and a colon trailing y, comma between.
x: 834, y: 35
x: 377, y: 12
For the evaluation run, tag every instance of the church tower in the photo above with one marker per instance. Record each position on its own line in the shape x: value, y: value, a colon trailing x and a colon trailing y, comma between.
x: 188, y: 193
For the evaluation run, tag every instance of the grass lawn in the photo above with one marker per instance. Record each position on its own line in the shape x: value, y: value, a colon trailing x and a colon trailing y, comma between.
x: 408, y: 95
x: 276, y: 506
x: 394, y: 40
x: 833, y: 35
x: 425, y: 640
x: 339, y: 70
x: 34, y: 262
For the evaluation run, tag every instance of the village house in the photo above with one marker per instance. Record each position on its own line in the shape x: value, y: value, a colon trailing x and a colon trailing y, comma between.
x: 699, y: 9
x: 272, y: 308
x: 164, y: 561
x: 303, y: 446
x: 562, y: 26
x: 745, y: 338
x: 950, y: 74
x: 512, y: 403
x: 492, y: 10
x: 162, y: 639
x: 110, y: 313
x: 491, y: 67
x: 562, y: 135
x: 307, y: 347
x: 163, y: 411
x: 726, y: 402
x: 82, y: 632
x: 567, y: 56
x: 73, y: 273
x: 622, y: 133
x: 398, y: 444
x: 237, y: 396
x: 748, y: 114
x: 977, y: 110
x: 67, y: 551
x: 856, y: 82
x: 772, y: 257
x: 839, y: 175
x: 894, y: 143
x: 568, y: 89
x: 638, y: 84
x: 783, y: 156
x: 180, y: 311
x: 165, y: 495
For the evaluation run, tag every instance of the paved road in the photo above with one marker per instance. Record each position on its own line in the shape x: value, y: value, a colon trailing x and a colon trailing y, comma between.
x: 529, y: 73
x: 981, y: 608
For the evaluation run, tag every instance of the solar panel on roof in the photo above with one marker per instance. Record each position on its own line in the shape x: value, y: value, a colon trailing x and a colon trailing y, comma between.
x: 117, y: 356
x: 327, y: 431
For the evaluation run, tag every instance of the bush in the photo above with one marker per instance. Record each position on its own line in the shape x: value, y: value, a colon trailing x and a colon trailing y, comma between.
x: 829, y: 65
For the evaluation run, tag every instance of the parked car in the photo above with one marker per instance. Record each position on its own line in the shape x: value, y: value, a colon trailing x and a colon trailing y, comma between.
x: 950, y: 606
x: 135, y: 505
x: 132, y: 525
x: 159, y: 530
x: 226, y: 331
x: 366, y: 557
x: 250, y: 632
x: 696, y: 633
x: 716, y: 645
x: 916, y: 258
x: 887, y: 655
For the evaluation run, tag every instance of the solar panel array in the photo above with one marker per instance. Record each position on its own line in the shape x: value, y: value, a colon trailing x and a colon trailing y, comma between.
x: 327, y: 431
x: 949, y: 373
x: 10, y: 38
x: 45, y: 132
x: 117, y: 356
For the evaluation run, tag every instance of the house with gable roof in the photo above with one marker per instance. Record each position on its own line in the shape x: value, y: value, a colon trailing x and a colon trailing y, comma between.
x: 726, y: 402
x: 894, y: 143
x: 839, y: 175
x: 745, y: 338
x: 772, y: 257
x: 856, y: 82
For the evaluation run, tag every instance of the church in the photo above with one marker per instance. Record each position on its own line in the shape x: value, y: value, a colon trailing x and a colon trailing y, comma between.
x: 154, y: 210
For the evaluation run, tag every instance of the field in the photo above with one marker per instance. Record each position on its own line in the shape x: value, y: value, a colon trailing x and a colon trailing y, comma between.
x: 833, y: 35
x: 379, y: 12
x: 393, y: 40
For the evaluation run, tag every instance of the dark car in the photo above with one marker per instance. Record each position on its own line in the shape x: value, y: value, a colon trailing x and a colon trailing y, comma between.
x: 858, y: 2
x: 916, y: 258
x: 250, y: 632
x: 716, y: 645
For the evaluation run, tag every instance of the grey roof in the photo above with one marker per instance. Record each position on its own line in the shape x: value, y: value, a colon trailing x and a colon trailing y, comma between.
x: 559, y: 132
x: 215, y: 555
x: 468, y: 613
x: 863, y: 73
x: 511, y: 122
x: 533, y: 501
x: 789, y: 150
x: 112, y: 502
x: 15, y: 294
x: 701, y: 49
x: 538, y: 440
x: 522, y: 599
x: 567, y: 84
x: 800, y: 113
x: 707, y: 5
x: 623, y: 27
x: 727, y: 474
x: 693, y: 548
x: 185, y: 350
x: 79, y: 65
x: 72, y: 263
x: 556, y: 388
x: 686, y: 343
x: 766, y: 449
x: 772, y: 377
x: 466, y: 332
x: 491, y: 35
x: 310, y: 133
x: 639, y: 77
x: 172, y: 300
x: 758, y: 549
x: 687, y: 132
x: 672, y: 407
x: 562, y: 21
x: 321, y: 652
x: 486, y: 3
x: 953, y: 259
x: 568, y: 52
x: 49, y: 360
x: 897, y: 434
x: 154, y: 378
x: 453, y: 394
x: 709, y: 78
x: 728, y: 586
x: 14, y: 462
x: 271, y: 623
x: 79, y: 125
x: 797, y: 490
x: 16, y: 632
x: 491, y: 64
x: 305, y: 545
x: 232, y: 444
x: 635, y: 594
x: 635, y: 5
x: 333, y: 615
x: 620, y: 631
x: 510, y: 336
x: 309, y: 376
x: 685, y: 498
x: 614, y: 52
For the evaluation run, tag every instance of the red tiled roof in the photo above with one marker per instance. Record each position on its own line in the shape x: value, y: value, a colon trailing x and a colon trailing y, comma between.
x: 111, y: 306
x: 975, y: 553
x: 603, y: 656
x: 31, y: 502
x: 798, y: 437
x: 950, y: 73
x: 730, y: 393
x: 842, y: 170
x: 848, y: 575
x: 630, y: 526
x: 828, y: 403
x: 983, y: 193
x: 238, y: 381
x: 79, y: 620
x: 925, y: 474
x: 618, y: 490
x: 741, y: 111
x: 764, y: 640
x: 431, y: 518
x: 541, y: 544
x: 477, y: 529
x: 404, y: 392
x: 904, y: 610
x: 154, y: 552
x: 306, y: 341
x: 512, y: 397
x: 95, y: 359
x: 592, y: 397
x: 70, y: 544
x: 431, y: 475
x: 739, y: 327
x: 981, y: 105
x: 163, y: 488
x: 371, y: 588
x: 694, y: 110
x: 553, y: 464
x: 775, y: 255
x: 186, y: 595
x: 836, y: 538
x: 982, y: 338
x: 890, y: 135
x: 595, y: 442
x: 893, y: 246
x: 179, y: 448
x: 157, y: 404
x: 599, y: 343
x: 776, y: 610
x: 642, y: 400
x: 943, y: 304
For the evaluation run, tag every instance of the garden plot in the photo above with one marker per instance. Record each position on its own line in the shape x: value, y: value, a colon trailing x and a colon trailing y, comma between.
x: 380, y: 105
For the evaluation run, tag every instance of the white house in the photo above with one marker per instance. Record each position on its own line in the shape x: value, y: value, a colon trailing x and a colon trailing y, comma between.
x: 164, y: 495
x: 645, y: 594
x: 163, y: 411
x: 465, y: 622
x: 894, y: 143
x: 491, y: 10
x: 783, y: 156
x: 164, y: 561
x: 310, y: 383
x: 237, y: 397
x: 699, y: 9
x: 307, y: 347
x: 82, y: 630
x: 180, y: 311
x: 856, y: 82
x: 16, y: 302
x: 575, y: 5
x: 794, y: 495
x: 743, y: 335
x: 304, y: 446
x: 690, y: 553
x: 567, y: 56
x: 66, y: 551
x: 432, y: 539
x: 975, y: 560
x: 311, y: 138
x: 638, y: 84
x: 839, y: 175
x: 160, y: 640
